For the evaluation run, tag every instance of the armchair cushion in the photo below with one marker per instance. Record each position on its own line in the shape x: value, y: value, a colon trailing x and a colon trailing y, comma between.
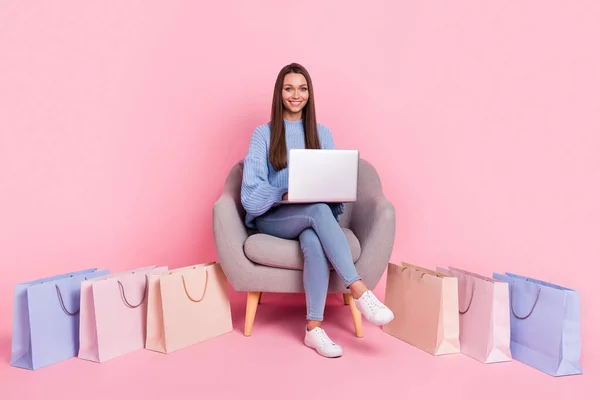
x: 275, y: 252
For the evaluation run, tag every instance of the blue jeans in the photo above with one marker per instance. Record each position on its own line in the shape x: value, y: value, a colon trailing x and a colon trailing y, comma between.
x: 321, y: 239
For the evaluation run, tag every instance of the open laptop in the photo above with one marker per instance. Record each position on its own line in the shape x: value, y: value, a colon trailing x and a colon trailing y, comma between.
x: 322, y: 176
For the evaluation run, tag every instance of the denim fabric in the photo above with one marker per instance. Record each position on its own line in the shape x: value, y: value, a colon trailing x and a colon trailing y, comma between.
x: 321, y: 239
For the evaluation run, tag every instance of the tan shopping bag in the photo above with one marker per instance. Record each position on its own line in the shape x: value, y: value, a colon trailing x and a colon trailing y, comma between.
x: 425, y: 305
x: 187, y: 306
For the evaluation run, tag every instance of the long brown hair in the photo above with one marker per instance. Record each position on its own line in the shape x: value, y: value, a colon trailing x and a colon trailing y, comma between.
x: 278, y: 150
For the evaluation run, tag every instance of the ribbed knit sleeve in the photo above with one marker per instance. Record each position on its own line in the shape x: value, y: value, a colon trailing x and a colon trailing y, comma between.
x: 327, y: 143
x: 325, y: 137
x: 257, y: 195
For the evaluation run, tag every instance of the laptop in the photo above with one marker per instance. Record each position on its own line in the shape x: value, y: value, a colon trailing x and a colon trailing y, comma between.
x: 322, y: 176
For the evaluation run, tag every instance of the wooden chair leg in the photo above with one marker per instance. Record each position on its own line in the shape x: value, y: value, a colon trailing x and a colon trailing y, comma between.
x: 251, y: 305
x: 356, y: 315
x: 347, y: 298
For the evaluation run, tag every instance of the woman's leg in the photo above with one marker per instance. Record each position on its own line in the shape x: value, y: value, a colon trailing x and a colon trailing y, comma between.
x: 290, y: 220
x: 316, y: 277
x: 316, y: 283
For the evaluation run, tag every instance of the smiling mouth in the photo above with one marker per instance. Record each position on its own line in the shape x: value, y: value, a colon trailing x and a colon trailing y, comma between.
x: 295, y: 103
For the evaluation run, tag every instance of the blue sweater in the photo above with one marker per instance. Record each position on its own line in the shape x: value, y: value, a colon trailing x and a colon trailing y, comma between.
x: 262, y: 186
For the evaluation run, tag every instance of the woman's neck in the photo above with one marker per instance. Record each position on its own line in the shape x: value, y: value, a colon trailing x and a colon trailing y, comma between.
x: 292, y: 117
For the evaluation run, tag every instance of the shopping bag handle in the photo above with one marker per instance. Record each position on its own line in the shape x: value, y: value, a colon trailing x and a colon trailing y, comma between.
x: 124, y: 298
x: 423, y: 271
x: 470, y: 300
x: 203, y: 292
x: 512, y: 308
x: 62, y: 303
x: 465, y: 274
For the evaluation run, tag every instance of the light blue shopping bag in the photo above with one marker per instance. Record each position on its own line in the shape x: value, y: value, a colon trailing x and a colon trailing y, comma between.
x: 46, y: 319
x: 545, y: 325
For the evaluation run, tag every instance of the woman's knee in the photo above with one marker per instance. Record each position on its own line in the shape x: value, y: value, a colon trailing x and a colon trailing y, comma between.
x: 309, y: 241
x: 319, y: 211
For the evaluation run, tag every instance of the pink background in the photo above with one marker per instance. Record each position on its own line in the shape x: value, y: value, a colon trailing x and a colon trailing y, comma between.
x: 121, y: 119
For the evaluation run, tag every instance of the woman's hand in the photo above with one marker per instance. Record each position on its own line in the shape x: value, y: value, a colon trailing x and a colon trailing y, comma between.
x: 285, y: 196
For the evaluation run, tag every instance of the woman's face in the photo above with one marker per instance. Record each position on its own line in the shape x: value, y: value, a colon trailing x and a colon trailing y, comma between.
x: 295, y: 95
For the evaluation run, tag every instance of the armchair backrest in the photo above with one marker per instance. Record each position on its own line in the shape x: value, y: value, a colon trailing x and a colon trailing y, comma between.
x: 369, y: 185
x: 233, y: 187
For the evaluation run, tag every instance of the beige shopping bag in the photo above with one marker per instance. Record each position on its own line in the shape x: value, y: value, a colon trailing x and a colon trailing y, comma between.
x: 187, y: 306
x: 484, y: 316
x: 425, y: 305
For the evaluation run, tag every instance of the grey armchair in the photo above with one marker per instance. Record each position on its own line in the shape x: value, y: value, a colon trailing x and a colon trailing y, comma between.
x: 255, y: 262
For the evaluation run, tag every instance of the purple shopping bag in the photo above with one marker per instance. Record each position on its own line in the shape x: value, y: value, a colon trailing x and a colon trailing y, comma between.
x: 544, y: 325
x: 46, y: 319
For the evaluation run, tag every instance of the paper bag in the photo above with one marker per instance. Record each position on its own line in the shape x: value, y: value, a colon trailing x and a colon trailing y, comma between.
x: 425, y: 305
x: 545, y: 325
x: 187, y: 306
x: 484, y: 316
x: 113, y: 314
x: 46, y: 319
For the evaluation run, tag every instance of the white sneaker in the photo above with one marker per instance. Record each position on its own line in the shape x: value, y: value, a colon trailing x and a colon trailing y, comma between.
x: 373, y: 309
x: 317, y: 339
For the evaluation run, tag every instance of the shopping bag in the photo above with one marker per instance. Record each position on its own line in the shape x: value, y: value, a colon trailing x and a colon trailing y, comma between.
x: 113, y: 314
x: 425, y: 305
x: 187, y: 306
x: 545, y: 325
x: 46, y: 319
x: 484, y: 316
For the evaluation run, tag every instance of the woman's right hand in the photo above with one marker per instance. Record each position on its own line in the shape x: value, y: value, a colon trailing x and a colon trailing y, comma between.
x: 285, y: 196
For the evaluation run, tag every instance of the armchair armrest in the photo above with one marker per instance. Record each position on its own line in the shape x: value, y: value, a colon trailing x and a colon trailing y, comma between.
x: 227, y: 220
x: 374, y: 224
x: 230, y: 231
x: 373, y: 218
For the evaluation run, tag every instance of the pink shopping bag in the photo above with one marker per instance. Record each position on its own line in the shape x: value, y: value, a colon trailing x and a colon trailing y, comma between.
x: 187, y: 306
x: 425, y: 305
x: 113, y: 314
x: 484, y: 316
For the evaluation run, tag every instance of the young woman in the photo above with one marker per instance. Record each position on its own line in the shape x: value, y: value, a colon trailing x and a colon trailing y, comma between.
x: 294, y: 125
